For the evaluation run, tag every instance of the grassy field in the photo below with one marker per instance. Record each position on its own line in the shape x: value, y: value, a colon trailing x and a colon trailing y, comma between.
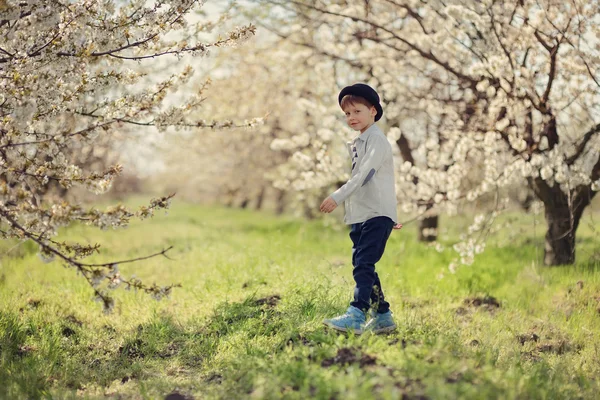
x: 247, y: 322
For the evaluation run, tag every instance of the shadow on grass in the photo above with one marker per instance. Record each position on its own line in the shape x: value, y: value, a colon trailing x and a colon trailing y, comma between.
x: 37, y: 356
x: 67, y: 356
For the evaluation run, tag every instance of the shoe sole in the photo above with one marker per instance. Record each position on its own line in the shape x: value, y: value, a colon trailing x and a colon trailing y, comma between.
x: 341, y: 329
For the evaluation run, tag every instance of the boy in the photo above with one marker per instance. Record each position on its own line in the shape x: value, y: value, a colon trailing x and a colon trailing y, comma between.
x: 370, y: 199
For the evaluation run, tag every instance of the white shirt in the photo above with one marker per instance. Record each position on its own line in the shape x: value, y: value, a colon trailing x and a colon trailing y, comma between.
x: 370, y: 192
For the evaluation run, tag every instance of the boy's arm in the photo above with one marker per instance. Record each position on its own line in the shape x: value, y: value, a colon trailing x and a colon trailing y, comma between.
x: 371, y: 163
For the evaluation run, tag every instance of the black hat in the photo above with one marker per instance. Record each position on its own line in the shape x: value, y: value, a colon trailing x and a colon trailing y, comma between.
x: 366, y: 92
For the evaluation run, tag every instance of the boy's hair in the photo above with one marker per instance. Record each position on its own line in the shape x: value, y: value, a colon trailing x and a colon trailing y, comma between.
x: 350, y: 100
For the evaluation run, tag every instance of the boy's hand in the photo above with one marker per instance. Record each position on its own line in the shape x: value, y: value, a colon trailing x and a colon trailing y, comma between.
x: 398, y: 226
x: 328, y: 205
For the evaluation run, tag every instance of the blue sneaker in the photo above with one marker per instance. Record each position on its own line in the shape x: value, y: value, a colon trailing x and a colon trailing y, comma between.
x: 380, y: 323
x: 352, y: 321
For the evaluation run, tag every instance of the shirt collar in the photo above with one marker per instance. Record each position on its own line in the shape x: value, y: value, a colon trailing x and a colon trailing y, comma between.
x: 365, y: 135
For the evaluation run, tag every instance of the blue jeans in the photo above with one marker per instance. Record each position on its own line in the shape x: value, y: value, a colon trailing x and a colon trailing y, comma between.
x: 368, y: 243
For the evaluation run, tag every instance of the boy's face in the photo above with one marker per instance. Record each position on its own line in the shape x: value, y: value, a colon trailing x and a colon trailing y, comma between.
x: 359, y: 117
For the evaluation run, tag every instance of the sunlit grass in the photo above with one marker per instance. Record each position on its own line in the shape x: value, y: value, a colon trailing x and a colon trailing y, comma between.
x: 247, y: 321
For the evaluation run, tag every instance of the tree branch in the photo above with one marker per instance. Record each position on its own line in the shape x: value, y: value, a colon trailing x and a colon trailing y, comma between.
x: 65, y: 258
x: 584, y: 141
x: 427, y: 55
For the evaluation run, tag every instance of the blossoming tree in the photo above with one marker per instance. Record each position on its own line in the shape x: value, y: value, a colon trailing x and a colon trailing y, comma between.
x: 512, y: 91
x: 70, y: 72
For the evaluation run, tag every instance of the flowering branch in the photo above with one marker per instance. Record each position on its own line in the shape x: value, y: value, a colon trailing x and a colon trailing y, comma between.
x: 64, y: 63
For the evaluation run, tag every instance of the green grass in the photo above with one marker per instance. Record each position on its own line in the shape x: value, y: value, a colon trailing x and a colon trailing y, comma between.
x: 247, y: 322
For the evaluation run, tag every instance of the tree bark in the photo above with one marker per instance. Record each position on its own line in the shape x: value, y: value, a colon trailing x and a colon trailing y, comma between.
x: 280, y: 202
x: 260, y: 199
x: 559, y: 246
x: 428, y: 223
x: 563, y: 212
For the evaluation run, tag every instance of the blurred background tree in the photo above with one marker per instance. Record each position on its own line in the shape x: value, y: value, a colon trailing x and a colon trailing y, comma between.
x: 72, y: 83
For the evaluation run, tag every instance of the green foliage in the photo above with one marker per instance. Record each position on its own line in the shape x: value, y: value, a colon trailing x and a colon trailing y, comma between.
x: 247, y: 322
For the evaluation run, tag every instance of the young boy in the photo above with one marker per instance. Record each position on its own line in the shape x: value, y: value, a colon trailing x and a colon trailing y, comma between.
x: 370, y: 200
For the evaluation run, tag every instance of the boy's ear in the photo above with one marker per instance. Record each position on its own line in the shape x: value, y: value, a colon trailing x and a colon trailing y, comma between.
x: 373, y: 111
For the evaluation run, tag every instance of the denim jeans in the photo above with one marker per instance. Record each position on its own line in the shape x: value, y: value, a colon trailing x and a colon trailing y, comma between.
x: 368, y: 243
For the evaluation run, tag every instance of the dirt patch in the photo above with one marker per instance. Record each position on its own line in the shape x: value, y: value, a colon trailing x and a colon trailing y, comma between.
x: 178, y: 396
x: 31, y: 304
x: 133, y: 349
x: 215, y: 379
x: 300, y: 340
x: 171, y: 350
x: 395, y: 341
x: 67, y: 331
x: 248, y: 284
x: 404, y: 343
x: 487, y: 302
x: 269, y: 301
x: 454, y: 377
x: 528, y: 337
x: 348, y: 355
x: 546, y: 346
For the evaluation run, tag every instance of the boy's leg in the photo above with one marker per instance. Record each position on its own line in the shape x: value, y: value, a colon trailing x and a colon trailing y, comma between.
x: 377, y: 297
x: 366, y: 253
x: 355, y: 230
x: 354, y: 319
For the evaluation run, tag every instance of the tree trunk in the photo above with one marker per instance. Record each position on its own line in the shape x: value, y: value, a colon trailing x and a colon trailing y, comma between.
x: 280, y: 202
x: 430, y: 225
x: 260, y: 198
x: 559, y: 247
x: 563, y: 212
x: 427, y: 222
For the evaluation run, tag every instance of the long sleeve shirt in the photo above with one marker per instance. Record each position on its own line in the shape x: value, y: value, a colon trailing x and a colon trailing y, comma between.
x: 370, y: 192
